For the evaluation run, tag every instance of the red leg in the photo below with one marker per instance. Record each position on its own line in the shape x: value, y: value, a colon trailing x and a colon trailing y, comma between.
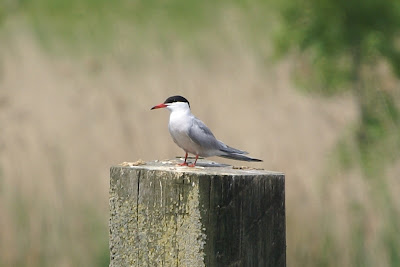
x: 194, y: 164
x: 184, y: 163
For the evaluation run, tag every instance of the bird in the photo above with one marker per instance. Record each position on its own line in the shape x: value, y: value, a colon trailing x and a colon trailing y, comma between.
x: 193, y: 136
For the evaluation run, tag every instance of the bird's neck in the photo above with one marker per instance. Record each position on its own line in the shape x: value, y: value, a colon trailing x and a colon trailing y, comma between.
x: 180, y: 115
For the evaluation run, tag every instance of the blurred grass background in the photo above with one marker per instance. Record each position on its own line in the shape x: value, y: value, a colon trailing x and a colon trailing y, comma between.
x: 77, y: 80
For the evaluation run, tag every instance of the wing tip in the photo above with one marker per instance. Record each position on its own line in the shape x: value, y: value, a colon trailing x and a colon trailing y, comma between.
x: 241, y: 157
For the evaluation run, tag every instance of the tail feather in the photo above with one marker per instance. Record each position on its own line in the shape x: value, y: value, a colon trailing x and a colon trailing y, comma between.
x: 233, y: 153
x: 229, y: 150
x: 239, y: 157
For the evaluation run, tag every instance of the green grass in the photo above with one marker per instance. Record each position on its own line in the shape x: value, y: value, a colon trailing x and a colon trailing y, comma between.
x: 94, y: 26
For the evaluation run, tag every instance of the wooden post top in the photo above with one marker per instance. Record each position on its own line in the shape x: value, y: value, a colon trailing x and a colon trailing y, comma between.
x: 204, y: 167
x: 163, y: 214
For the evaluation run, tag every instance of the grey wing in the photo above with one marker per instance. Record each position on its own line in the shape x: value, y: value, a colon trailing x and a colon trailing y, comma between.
x: 201, y: 135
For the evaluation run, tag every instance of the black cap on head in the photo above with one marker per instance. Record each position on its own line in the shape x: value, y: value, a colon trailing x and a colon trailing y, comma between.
x: 176, y: 98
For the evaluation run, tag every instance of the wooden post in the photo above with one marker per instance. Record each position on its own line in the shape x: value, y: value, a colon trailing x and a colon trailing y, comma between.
x: 167, y: 215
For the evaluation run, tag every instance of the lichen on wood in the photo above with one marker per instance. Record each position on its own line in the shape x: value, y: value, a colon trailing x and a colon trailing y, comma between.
x: 164, y: 215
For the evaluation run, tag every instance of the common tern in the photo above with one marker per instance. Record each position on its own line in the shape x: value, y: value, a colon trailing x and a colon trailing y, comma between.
x: 193, y: 136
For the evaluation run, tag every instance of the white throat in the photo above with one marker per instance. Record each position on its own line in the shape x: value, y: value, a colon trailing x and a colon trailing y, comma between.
x: 180, y: 118
x: 179, y: 107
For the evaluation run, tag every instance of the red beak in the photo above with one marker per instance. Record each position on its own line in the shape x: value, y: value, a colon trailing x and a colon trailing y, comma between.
x: 159, y: 106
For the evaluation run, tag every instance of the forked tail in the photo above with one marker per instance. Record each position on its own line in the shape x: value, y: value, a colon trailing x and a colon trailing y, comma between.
x: 239, y: 157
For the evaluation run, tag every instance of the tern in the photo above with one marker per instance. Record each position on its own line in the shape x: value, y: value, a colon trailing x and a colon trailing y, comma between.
x: 193, y: 136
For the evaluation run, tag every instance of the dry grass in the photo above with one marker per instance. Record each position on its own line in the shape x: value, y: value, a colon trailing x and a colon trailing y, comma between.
x: 66, y: 120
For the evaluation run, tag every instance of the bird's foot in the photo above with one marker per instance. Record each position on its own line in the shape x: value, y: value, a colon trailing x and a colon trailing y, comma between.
x: 183, y: 164
x: 192, y: 165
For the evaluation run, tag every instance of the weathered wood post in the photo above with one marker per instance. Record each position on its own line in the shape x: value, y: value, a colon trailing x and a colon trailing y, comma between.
x: 166, y: 215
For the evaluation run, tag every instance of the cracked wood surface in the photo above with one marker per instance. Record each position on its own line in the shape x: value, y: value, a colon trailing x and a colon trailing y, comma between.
x: 212, y: 215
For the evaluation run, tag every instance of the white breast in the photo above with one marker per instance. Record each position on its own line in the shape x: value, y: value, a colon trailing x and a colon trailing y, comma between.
x: 179, y: 125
